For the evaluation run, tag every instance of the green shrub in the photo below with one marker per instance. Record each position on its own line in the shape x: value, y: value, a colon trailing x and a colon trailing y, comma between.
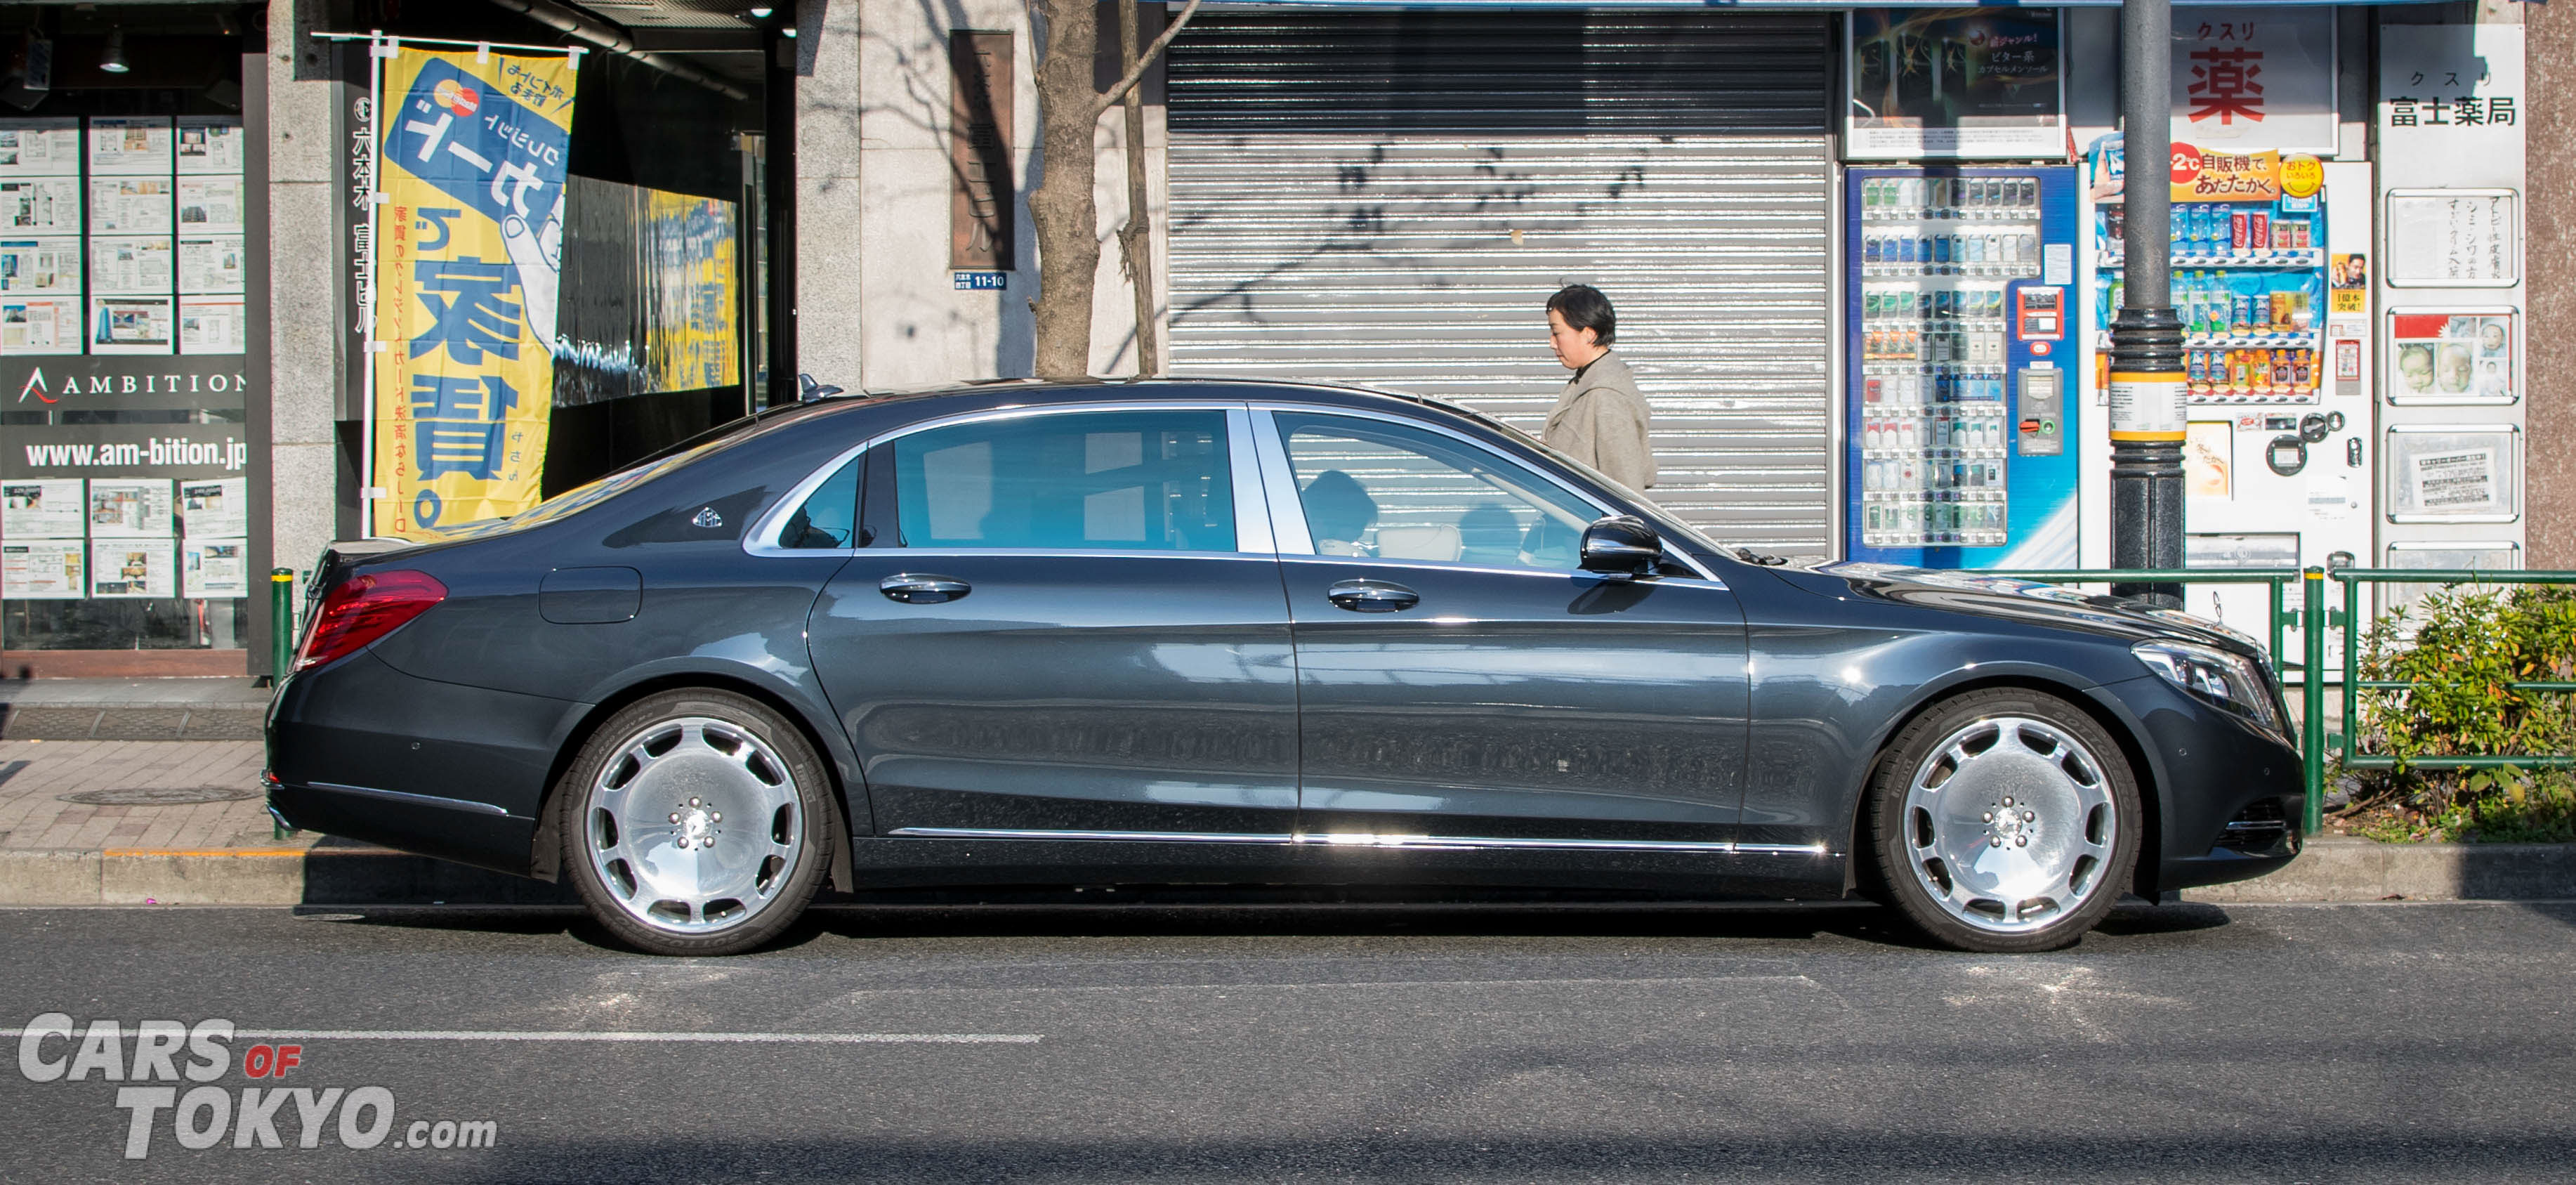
x: 2467, y: 647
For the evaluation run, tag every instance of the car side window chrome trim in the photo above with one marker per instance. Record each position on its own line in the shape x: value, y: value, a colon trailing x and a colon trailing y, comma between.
x: 1288, y: 518
x: 1251, y: 517
x: 1362, y: 839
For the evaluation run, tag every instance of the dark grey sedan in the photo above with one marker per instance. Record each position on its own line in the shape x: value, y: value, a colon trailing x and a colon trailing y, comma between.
x: 1235, y: 633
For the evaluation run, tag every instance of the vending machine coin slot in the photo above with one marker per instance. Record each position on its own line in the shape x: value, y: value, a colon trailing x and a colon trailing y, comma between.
x: 2043, y: 412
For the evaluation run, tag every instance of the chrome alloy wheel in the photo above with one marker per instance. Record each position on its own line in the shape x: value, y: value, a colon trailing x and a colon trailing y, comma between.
x: 694, y: 825
x: 2010, y: 824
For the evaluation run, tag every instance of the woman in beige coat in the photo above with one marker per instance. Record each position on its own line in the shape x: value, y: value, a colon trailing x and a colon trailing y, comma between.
x: 1600, y: 419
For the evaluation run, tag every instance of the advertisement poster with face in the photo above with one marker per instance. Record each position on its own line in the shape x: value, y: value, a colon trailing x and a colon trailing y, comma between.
x: 2452, y: 357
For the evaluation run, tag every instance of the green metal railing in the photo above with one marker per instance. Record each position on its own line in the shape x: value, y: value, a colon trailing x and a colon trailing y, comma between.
x: 2354, y: 685
x: 2311, y: 667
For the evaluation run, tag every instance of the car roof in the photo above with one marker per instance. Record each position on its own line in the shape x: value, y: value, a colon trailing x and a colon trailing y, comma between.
x: 1169, y: 387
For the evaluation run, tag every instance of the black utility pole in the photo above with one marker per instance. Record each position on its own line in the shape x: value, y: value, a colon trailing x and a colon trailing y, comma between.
x: 2147, y: 405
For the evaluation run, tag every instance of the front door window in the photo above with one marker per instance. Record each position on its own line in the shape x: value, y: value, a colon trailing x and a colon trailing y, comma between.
x: 1379, y: 490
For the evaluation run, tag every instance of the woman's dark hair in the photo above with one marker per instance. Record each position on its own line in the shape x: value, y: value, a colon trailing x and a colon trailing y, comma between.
x: 1583, y: 307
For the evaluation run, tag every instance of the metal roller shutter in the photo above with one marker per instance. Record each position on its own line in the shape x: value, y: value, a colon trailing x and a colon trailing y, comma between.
x: 1389, y: 198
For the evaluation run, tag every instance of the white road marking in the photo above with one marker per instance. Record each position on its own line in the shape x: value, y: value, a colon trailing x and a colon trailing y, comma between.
x: 616, y: 1037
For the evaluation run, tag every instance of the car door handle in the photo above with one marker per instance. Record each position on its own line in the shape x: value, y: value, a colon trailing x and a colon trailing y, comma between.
x: 916, y: 588
x: 1372, y: 596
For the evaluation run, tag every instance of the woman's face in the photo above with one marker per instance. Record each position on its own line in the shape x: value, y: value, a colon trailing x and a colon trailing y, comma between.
x: 1575, y: 348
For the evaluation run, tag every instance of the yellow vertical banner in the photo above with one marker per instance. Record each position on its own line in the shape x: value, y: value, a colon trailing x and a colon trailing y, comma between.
x: 469, y: 251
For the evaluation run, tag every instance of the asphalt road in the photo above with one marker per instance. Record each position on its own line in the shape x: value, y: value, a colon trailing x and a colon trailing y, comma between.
x: 2408, y: 1042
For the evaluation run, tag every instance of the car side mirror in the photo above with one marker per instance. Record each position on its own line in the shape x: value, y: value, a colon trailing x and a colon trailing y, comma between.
x: 1621, y: 547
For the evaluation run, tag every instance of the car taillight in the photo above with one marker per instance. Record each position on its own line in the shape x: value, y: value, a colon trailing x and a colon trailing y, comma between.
x: 363, y: 608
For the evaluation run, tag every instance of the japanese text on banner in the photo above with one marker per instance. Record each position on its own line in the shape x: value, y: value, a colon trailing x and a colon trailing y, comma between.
x: 469, y: 251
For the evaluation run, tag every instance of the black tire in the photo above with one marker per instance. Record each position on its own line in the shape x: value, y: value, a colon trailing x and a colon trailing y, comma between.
x: 787, y: 783
x: 1910, y: 858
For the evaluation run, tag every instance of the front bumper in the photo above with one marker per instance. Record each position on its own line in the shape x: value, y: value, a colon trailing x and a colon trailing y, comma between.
x: 2211, y: 769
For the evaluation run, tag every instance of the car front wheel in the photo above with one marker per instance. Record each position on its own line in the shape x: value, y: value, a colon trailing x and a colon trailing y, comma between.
x: 692, y: 823
x: 2003, y: 821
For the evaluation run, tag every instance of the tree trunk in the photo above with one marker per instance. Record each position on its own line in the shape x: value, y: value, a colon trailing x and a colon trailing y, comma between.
x: 1062, y: 208
x: 1136, y: 239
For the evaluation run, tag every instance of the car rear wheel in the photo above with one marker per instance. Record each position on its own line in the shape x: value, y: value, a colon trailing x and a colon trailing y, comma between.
x: 692, y: 823
x: 2004, y: 821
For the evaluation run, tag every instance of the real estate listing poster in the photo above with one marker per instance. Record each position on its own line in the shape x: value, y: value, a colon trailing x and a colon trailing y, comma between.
x: 40, y: 325
x: 214, y: 568
x: 211, y: 509
x: 210, y: 205
x: 41, y: 508
x: 130, y: 325
x: 40, y: 148
x: 210, y: 264
x: 128, y: 145
x: 50, y: 267
x: 129, y: 206
x: 212, y: 324
x: 133, y: 568
x: 129, y: 508
x: 210, y: 144
x: 40, y: 206
x: 43, y: 570
x: 137, y: 264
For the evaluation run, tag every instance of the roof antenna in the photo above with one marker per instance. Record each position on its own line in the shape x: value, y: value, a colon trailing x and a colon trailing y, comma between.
x: 807, y: 390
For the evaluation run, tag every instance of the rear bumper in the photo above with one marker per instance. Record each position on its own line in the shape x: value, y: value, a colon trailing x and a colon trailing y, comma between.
x: 455, y: 772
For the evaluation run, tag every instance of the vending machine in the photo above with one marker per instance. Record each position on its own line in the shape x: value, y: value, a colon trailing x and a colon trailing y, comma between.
x: 2268, y: 254
x: 1964, y: 355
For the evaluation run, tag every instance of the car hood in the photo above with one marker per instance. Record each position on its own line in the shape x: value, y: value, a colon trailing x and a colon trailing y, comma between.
x: 2028, y: 601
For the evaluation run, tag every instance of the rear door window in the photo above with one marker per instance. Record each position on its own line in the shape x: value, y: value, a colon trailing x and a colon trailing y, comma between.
x: 1146, y: 480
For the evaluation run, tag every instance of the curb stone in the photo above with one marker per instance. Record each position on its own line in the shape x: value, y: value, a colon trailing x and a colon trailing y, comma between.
x: 257, y: 876
x: 2347, y: 869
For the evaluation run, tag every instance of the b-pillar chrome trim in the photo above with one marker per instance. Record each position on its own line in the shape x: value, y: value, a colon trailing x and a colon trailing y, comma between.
x: 1363, y: 839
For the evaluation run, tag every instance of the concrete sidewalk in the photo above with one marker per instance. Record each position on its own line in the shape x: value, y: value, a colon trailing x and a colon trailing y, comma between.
x: 132, y: 709
x: 183, y: 823
x: 186, y: 823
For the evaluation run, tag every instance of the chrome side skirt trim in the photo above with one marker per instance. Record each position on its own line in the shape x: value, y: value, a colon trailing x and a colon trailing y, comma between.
x: 453, y: 804
x: 1361, y: 839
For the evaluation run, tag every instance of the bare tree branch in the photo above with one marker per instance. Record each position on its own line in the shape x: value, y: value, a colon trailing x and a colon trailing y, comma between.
x: 1136, y: 70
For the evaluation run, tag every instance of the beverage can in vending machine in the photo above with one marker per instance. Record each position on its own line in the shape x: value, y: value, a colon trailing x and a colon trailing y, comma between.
x: 2258, y: 230
x: 2237, y: 228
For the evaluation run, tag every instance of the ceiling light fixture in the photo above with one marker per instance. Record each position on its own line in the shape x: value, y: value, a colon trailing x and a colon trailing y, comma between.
x: 760, y: 12
x: 112, y: 59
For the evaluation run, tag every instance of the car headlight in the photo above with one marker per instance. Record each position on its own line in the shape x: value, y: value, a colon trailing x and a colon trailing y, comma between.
x: 2230, y: 681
